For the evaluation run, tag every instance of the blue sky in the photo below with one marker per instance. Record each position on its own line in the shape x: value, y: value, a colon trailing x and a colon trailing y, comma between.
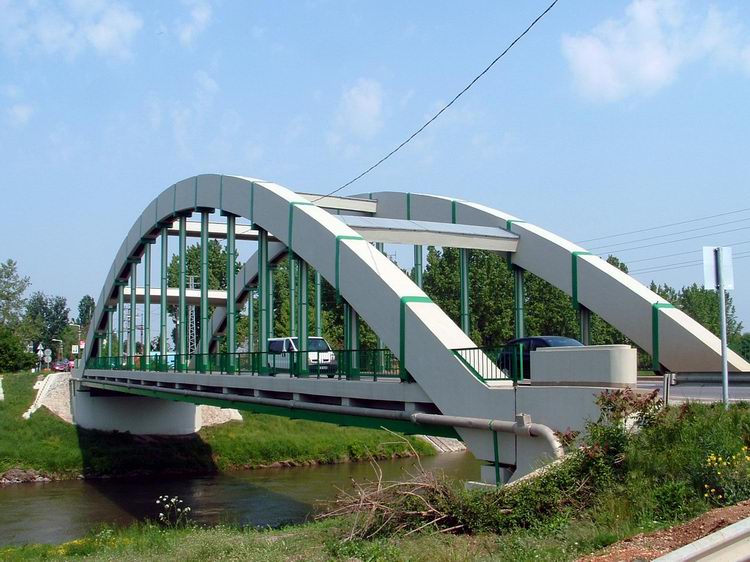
x: 608, y: 117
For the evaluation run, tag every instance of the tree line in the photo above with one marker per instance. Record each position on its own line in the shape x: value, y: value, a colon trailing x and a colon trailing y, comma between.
x: 39, y: 319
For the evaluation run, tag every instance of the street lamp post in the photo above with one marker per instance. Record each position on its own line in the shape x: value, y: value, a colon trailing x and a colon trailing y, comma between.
x: 61, y: 347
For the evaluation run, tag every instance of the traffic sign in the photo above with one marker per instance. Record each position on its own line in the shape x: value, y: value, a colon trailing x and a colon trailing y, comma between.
x: 47, y: 359
x: 48, y: 352
x: 40, y: 347
x: 82, y: 344
x: 40, y: 354
x: 74, y: 349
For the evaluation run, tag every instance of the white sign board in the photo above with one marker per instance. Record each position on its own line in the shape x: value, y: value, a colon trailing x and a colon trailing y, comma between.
x: 40, y: 347
x: 47, y: 359
x: 82, y: 344
x: 48, y: 352
x: 710, y: 269
x: 74, y: 349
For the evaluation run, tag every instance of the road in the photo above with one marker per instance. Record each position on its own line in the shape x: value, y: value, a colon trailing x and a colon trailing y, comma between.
x: 697, y: 391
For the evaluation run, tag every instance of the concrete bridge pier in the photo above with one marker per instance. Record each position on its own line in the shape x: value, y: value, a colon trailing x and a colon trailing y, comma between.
x: 109, y: 411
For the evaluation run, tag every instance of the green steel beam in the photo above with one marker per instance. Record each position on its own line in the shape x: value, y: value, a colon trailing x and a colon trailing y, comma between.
x: 147, y: 305
x: 303, y: 314
x: 163, y: 347
x: 464, y: 274
x: 251, y: 321
x: 271, y: 316
x: 205, y: 318
x: 518, y: 300
x: 132, y: 350
x: 418, y: 266
x: 318, y: 305
x: 120, y: 319
x: 263, y: 314
x: 182, y: 303
x: 110, y: 315
x: 231, y: 291
x: 292, y: 261
x: 584, y: 318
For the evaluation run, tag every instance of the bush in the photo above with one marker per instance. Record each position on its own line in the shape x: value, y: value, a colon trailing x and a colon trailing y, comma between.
x: 13, y: 356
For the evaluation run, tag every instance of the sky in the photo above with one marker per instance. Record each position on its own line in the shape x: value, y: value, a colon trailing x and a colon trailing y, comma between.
x: 608, y: 117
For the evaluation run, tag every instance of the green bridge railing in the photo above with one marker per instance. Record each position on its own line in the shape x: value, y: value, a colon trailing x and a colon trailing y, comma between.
x: 496, y: 363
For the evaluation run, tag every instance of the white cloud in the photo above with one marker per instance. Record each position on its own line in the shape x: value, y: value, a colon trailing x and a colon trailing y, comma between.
x: 361, y: 108
x: 643, y: 52
x: 199, y: 18
x: 20, y: 114
x: 106, y: 26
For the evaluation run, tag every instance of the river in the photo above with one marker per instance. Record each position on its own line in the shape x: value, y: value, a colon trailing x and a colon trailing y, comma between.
x: 55, y: 512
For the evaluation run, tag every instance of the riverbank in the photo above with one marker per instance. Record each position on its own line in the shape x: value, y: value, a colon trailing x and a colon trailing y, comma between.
x: 54, y: 449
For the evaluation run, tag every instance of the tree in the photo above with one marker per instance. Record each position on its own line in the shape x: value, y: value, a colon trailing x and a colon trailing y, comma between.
x: 12, y: 288
x: 85, y: 311
x: 46, y: 319
x: 13, y: 356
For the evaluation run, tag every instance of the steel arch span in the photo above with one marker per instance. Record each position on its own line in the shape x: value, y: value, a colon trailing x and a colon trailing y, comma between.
x: 424, y: 338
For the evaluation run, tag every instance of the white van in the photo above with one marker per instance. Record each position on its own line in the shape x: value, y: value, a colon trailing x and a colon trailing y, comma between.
x: 282, y: 352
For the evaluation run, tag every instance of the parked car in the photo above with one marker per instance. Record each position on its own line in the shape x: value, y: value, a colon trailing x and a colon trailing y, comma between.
x: 61, y: 365
x: 71, y: 364
x: 509, y: 358
x: 284, y: 352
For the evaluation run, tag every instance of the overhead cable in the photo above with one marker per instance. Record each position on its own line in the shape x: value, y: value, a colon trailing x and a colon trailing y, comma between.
x: 444, y: 108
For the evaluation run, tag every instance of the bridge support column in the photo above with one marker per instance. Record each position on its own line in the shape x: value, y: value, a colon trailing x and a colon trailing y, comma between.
x: 584, y: 318
x: 181, y: 362
x: 120, y: 320
x: 318, y: 305
x: 231, y: 295
x: 518, y: 298
x: 271, y: 316
x: 303, y: 321
x: 164, y: 284
x: 292, y: 265
x: 263, y: 300
x: 133, y: 308
x: 146, y: 361
x: 418, y: 266
x: 464, y: 277
x: 135, y: 414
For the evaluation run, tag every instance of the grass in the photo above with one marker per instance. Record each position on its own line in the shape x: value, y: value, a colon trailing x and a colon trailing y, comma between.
x: 51, y: 446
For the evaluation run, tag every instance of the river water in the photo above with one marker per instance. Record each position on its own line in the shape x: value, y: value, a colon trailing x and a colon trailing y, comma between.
x: 55, y: 512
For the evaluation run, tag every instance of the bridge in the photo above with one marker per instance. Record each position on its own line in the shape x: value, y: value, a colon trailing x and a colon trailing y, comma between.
x: 425, y: 376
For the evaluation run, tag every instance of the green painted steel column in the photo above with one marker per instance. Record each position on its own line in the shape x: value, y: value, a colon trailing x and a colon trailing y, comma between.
x: 380, y: 247
x: 351, y: 341
x: 120, y: 321
x: 231, y: 293
x: 132, y: 348
x: 318, y: 305
x: 163, y: 344
x: 147, y: 307
x: 271, y: 315
x: 518, y: 298
x: 418, y: 266
x: 251, y: 321
x: 464, y: 274
x: 303, y: 318
x: 205, y: 329
x: 584, y: 318
x: 110, y: 313
x: 292, y: 294
x: 262, y: 297
x: 181, y: 363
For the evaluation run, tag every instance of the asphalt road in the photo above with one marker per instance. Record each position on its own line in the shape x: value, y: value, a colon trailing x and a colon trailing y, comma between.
x: 698, y: 391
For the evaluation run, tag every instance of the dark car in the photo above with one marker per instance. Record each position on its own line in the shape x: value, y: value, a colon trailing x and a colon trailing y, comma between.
x: 61, y: 365
x: 515, y: 356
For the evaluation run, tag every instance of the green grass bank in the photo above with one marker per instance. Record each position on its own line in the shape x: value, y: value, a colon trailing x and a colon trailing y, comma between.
x: 49, y: 445
x: 616, y: 482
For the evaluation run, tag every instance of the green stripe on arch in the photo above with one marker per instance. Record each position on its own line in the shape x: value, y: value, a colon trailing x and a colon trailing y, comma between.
x: 574, y: 277
x: 655, y: 307
x: 339, y: 238
x: 402, y: 333
x: 292, y: 205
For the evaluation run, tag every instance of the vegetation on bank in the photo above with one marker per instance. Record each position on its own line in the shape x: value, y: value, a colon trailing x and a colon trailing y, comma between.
x: 50, y: 446
x: 617, y: 483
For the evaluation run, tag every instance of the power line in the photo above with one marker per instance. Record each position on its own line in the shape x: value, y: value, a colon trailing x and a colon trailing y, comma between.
x: 666, y: 225
x: 671, y: 234
x: 680, y: 265
x: 439, y: 113
x: 678, y: 240
x: 682, y: 253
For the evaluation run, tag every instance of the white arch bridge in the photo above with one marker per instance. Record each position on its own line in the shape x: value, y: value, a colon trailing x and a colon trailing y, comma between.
x: 426, y: 375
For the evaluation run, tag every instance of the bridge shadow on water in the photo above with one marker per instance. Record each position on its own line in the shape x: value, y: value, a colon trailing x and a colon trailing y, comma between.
x: 125, y: 474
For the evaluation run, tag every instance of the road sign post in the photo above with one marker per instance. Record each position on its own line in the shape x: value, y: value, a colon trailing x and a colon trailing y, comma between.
x: 718, y: 275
